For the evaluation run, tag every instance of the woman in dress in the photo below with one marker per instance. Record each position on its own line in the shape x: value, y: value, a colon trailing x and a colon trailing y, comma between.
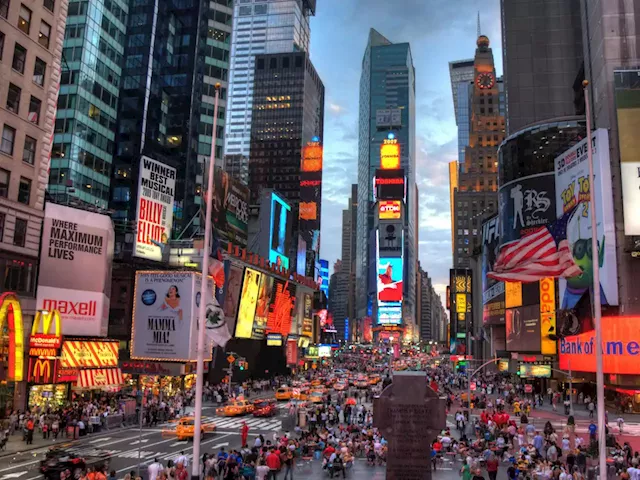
x: 172, y: 302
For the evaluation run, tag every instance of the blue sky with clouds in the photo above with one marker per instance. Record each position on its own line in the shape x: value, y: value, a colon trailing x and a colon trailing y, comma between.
x: 439, y: 31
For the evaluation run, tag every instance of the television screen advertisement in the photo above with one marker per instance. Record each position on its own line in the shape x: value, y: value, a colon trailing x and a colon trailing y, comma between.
x: 389, y: 280
x: 389, y: 314
x: 76, y: 255
x: 154, y: 218
x: 523, y: 329
x: 389, y: 184
x: 163, y: 316
x: 280, y: 227
x: 230, y: 213
x: 307, y: 316
x: 262, y: 307
x: 493, y: 291
x: 572, y: 188
x: 233, y: 286
x: 248, y: 303
x: 526, y: 204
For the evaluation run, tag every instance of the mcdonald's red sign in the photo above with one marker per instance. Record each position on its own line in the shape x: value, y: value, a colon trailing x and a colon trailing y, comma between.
x: 42, y: 370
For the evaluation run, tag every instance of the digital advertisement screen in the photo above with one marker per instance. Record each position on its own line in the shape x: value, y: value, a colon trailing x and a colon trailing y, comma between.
x: 389, y: 280
x: 324, y: 350
x: 503, y: 365
x: 274, y: 340
x: 389, y: 314
x: 281, y: 306
x: 262, y: 307
x: 523, y: 329
x: 280, y: 219
x: 389, y: 209
x: 248, y: 303
x: 389, y: 184
x: 537, y: 371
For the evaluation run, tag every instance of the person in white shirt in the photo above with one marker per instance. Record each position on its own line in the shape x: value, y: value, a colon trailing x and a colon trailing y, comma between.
x: 182, y: 458
x: 154, y: 469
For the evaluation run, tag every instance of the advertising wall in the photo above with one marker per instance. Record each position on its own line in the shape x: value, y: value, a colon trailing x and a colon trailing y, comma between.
x: 620, y: 347
x: 389, y: 184
x: 310, y: 192
x: 493, y: 307
x: 164, y: 316
x: 281, y: 307
x: 572, y: 188
x: 248, y: 303
x: 154, y: 218
x: 75, y: 269
x: 233, y: 287
x: 279, y: 232
x: 89, y: 354
x: 389, y: 280
x: 262, y: 307
x: 230, y: 214
x: 526, y: 204
x: 523, y: 329
x: 307, y: 316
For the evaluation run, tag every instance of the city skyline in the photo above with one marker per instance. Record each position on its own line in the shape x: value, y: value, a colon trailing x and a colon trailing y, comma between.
x: 436, y: 132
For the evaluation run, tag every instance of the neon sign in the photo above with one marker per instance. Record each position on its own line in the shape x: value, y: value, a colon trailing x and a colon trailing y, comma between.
x: 11, y: 315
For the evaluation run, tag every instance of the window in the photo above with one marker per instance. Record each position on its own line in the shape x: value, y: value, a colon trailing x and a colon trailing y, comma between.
x: 20, y: 233
x: 5, y: 175
x: 24, y: 19
x: 2, y: 218
x: 49, y: 4
x: 13, y: 98
x: 29, y: 152
x: 8, y: 138
x: 24, y: 190
x: 45, y: 33
x: 19, y: 58
x: 39, y: 71
x: 1, y: 43
x: 4, y: 8
x: 34, y: 110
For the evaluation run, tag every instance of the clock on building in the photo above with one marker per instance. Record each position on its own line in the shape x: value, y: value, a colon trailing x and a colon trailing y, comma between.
x: 485, y: 80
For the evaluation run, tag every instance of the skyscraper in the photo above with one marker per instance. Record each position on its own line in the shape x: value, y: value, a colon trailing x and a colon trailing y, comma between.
x: 30, y: 51
x: 461, y: 74
x: 387, y: 105
x: 84, y: 142
x: 272, y: 26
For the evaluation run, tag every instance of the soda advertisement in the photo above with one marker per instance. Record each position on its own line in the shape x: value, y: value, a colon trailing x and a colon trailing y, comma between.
x: 572, y: 189
x: 248, y: 303
x: 156, y: 192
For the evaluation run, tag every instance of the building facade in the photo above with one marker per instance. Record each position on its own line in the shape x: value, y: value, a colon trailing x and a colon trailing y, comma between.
x: 461, y: 73
x: 265, y: 27
x: 31, y: 42
x: 387, y: 83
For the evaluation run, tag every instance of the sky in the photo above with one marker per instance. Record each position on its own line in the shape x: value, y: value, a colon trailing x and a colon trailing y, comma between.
x: 438, y: 31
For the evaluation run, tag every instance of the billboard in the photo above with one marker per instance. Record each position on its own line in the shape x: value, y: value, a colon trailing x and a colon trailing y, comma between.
x: 230, y: 208
x: 248, y: 303
x: 75, y: 269
x: 262, y: 307
x: 390, y: 154
x: 232, y: 287
x: 89, y: 354
x: 307, y: 315
x: 389, y: 280
x: 547, y: 316
x: 281, y: 307
x: 534, y: 371
x: 389, y: 209
x: 493, y: 291
x: 627, y: 96
x: 523, y: 329
x: 309, y: 212
x: 274, y: 340
x: 389, y: 184
x: 280, y: 226
x: 526, y: 204
x: 388, y: 117
x: 620, y: 348
x: 311, y: 157
x: 572, y: 188
x: 154, y: 217
x: 389, y: 314
x: 164, y: 316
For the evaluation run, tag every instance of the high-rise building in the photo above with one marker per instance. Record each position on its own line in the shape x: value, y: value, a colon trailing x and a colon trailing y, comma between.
x: 167, y: 102
x: 476, y: 195
x: 288, y: 113
x: 31, y: 40
x: 387, y: 106
x: 85, y: 128
x: 266, y: 27
x: 542, y: 56
x: 461, y: 73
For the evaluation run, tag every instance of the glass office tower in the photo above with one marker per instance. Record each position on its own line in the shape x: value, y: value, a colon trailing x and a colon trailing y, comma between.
x: 387, y: 82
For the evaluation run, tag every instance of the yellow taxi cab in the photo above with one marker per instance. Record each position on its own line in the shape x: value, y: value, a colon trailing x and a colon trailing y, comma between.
x: 185, y: 428
x: 235, y: 408
x: 340, y: 386
x: 374, y: 379
x: 284, y: 393
x: 316, y: 396
x: 301, y: 393
x: 361, y: 383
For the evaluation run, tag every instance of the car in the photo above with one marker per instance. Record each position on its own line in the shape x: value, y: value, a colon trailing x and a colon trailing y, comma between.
x: 265, y: 408
x: 65, y: 464
x: 301, y: 393
x: 316, y: 396
x: 361, y: 383
x: 284, y: 393
x: 185, y: 428
x: 316, y: 382
x: 340, y: 386
x: 374, y: 379
x: 235, y: 408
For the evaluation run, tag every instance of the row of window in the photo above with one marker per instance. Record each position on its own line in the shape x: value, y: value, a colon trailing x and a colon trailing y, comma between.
x: 19, y: 59
x: 8, y: 141
x: 4, y: 6
x: 24, y: 188
x: 24, y: 23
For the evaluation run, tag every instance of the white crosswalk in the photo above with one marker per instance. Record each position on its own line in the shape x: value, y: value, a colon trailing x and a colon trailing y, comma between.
x: 254, y: 423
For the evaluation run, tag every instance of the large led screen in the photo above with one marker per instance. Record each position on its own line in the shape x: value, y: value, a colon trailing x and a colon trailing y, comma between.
x: 280, y: 219
x: 248, y: 303
x: 389, y: 280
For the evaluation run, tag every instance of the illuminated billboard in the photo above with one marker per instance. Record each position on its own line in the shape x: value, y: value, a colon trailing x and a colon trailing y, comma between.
x: 248, y: 303
x: 534, y: 371
x: 280, y: 220
x: 390, y: 154
x: 324, y: 350
x: 389, y: 280
x: 262, y: 307
x: 311, y: 157
x: 389, y: 209
x: 389, y: 314
x: 389, y: 184
x: 281, y: 307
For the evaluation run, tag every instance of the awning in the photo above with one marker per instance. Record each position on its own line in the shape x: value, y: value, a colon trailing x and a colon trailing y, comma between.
x: 99, y: 378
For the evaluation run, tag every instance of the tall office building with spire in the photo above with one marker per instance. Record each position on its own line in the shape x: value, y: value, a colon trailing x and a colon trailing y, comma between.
x: 261, y: 27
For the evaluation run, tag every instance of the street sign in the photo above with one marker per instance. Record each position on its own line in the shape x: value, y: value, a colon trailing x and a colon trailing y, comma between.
x: 231, y: 359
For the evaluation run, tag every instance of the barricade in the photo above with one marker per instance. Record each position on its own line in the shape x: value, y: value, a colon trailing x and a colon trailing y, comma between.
x: 113, y: 421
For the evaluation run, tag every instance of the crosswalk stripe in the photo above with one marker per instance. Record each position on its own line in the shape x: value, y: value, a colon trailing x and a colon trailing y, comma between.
x: 253, y: 422
x: 274, y: 426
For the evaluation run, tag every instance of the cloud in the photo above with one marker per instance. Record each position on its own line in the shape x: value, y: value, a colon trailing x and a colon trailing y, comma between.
x: 335, y: 108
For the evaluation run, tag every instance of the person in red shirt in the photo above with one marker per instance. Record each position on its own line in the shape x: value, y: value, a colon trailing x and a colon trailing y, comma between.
x: 181, y: 472
x: 328, y: 451
x: 492, y: 467
x: 244, y: 432
x: 274, y: 464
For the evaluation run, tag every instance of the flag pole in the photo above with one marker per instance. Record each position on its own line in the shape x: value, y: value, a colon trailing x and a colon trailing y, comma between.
x: 597, y: 307
x: 197, y: 427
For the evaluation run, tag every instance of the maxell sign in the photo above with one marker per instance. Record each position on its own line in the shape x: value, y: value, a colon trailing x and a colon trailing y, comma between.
x: 75, y: 269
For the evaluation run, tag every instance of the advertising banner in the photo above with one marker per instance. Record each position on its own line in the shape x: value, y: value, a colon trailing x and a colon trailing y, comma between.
x: 493, y: 297
x: 389, y: 184
x: 274, y: 340
x: 389, y: 314
x: 42, y: 370
x: 627, y: 96
x: 534, y: 371
x: 164, y: 316
x: 307, y: 317
x: 89, y: 354
x: 390, y: 154
x: 262, y: 307
x: 523, y: 329
x: 620, y: 347
x: 233, y: 286
x: 389, y: 209
x: 230, y: 214
x: 547, y: 316
x: 248, y: 303
x: 280, y: 227
x: 572, y: 188
x: 281, y: 307
x: 75, y: 269
x: 389, y: 280
x: 292, y: 352
x: 526, y: 204
x: 154, y: 218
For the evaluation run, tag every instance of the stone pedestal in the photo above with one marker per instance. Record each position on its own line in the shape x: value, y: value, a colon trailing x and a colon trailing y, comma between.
x: 410, y: 415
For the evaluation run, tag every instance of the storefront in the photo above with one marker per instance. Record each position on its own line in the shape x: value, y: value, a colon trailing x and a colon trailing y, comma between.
x: 95, y: 363
x: 153, y: 377
x: 48, y: 396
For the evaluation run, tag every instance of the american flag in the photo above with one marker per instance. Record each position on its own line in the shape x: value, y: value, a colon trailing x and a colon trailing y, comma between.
x: 540, y: 254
